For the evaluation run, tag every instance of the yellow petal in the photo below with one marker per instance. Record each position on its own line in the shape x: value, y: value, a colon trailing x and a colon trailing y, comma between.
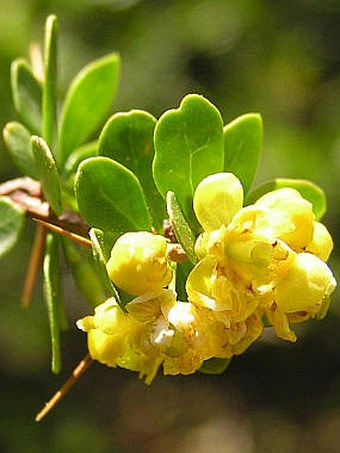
x: 217, y: 199
x: 306, y: 283
x: 322, y: 243
x: 199, y: 285
x: 105, y: 348
x: 279, y: 320
x: 290, y: 216
x: 150, y: 305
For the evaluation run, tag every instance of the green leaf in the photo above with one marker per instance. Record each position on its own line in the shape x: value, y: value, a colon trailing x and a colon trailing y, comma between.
x: 50, y: 82
x: 182, y: 271
x: 189, y: 146
x: 308, y: 190
x: 52, y: 291
x: 110, y: 197
x: 11, y: 223
x: 183, y: 232
x: 27, y: 95
x: 18, y: 142
x: 48, y: 173
x: 101, y: 252
x: 84, y: 272
x: 242, y: 147
x: 102, y: 243
x: 88, y: 100
x: 80, y: 154
x: 128, y: 139
x: 214, y: 366
x: 69, y: 173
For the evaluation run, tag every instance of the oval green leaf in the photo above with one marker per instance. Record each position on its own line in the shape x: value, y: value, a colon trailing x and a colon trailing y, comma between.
x: 88, y: 100
x: 11, y: 223
x: 27, y: 95
x: 48, y: 173
x: 308, y: 190
x: 128, y: 138
x: 110, y: 197
x: 189, y: 146
x: 242, y: 147
x: 18, y: 142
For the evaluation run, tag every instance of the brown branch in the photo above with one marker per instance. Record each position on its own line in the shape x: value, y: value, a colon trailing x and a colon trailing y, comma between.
x: 26, y: 193
x: 33, y: 266
x: 57, y: 397
x: 57, y: 229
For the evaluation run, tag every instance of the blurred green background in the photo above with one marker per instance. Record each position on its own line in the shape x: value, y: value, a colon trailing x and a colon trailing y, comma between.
x: 280, y: 59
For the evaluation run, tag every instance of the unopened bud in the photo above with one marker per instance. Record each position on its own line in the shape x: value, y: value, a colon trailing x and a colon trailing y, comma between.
x: 138, y: 263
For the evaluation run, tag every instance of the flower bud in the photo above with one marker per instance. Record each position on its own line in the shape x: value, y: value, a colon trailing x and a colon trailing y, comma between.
x: 306, y: 284
x: 217, y: 199
x: 138, y: 263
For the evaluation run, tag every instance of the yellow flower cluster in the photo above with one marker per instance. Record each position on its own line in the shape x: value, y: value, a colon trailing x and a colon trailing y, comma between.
x: 266, y: 258
x: 157, y: 330
x: 263, y: 260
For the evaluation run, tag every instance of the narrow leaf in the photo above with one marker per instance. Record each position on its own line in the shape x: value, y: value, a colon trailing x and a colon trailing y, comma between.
x: 11, y: 223
x: 48, y: 173
x: 128, y: 139
x: 50, y: 82
x: 27, y: 95
x: 18, y: 142
x: 52, y: 291
x: 102, y: 243
x: 110, y: 197
x: 189, y: 147
x: 182, y: 271
x: 308, y: 190
x: 84, y: 272
x: 101, y: 252
x: 183, y: 232
x: 242, y: 147
x: 87, y: 102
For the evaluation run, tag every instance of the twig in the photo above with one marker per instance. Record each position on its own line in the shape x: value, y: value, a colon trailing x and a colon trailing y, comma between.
x: 56, y: 398
x: 33, y: 265
x: 26, y: 193
x: 57, y: 229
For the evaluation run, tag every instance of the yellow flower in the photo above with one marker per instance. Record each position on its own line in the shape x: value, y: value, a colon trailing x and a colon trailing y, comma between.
x: 116, y: 338
x: 302, y: 293
x: 305, y: 285
x: 211, y: 286
x: 177, y: 333
x: 255, y: 259
x: 110, y: 331
x: 138, y: 263
x: 157, y: 330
